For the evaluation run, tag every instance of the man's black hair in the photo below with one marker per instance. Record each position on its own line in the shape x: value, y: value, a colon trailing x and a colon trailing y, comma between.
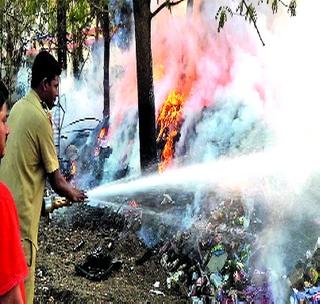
x: 4, y: 93
x: 44, y: 66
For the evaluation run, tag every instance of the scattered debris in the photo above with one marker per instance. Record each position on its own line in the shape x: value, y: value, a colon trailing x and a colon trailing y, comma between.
x: 167, y: 200
x: 79, y: 246
x: 98, y: 265
x: 208, y: 263
x: 157, y: 292
x: 211, y: 258
x: 156, y: 284
x: 305, y: 279
x: 146, y: 256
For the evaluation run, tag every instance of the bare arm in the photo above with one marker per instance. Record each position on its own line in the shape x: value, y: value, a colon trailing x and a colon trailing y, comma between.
x: 63, y: 188
x: 13, y: 296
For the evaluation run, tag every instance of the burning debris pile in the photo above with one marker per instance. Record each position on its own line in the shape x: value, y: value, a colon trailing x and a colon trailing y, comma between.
x: 169, y: 121
x: 219, y: 260
x: 98, y: 265
x: 305, y: 279
x: 93, y: 255
x: 215, y: 259
x: 210, y: 261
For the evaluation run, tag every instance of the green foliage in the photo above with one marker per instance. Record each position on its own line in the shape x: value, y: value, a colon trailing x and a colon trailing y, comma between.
x: 248, y: 11
x: 222, y: 16
x: 292, y: 8
x: 251, y: 14
x: 19, y: 23
x: 274, y: 6
x: 241, y: 7
x: 51, y: 20
x: 80, y: 15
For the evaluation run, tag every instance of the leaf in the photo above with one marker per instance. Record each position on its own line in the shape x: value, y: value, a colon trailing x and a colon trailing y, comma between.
x: 240, y: 7
x: 251, y: 14
x: 292, y: 8
x: 222, y: 16
x: 274, y: 6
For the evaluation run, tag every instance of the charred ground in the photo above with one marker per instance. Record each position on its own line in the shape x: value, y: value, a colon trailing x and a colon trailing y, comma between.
x: 71, y: 235
x: 96, y: 254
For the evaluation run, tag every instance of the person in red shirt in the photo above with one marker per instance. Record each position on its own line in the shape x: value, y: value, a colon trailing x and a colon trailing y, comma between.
x: 13, y: 267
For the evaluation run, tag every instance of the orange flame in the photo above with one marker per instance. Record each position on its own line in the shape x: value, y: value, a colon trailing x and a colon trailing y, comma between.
x: 158, y: 72
x: 101, y: 136
x: 133, y: 204
x: 169, y: 120
x: 73, y: 169
x: 102, y: 133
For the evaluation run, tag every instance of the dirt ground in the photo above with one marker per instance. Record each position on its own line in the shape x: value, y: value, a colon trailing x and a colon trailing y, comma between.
x: 75, y: 232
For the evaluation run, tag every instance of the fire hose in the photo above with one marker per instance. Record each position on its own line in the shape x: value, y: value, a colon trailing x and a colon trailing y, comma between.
x: 55, y: 202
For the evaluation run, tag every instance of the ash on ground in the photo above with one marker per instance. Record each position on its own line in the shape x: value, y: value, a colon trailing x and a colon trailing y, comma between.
x: 134, y: 255
x: 78, y: 233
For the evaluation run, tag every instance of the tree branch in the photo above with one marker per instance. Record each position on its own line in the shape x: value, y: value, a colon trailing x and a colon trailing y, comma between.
x: 163, y: 5
x: 254, y: 23
x: 100, y: 9
x: 284, y: 4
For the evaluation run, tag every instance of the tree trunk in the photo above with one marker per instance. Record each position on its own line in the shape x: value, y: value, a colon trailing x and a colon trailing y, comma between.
x: 96, y: 33
x: 146, y: 106
x: 62, y: 33
x: 106, y: 80
x: 2, y: 31
x: 76, y: 62
x: 77, y: 53
x: 189, y: 7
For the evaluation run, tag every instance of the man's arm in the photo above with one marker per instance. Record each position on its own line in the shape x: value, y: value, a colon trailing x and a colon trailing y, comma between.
x: 63, y: 188
x: 13, y: 296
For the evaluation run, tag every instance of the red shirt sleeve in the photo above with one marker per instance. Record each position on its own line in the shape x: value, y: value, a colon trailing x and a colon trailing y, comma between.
x: 13, y: 267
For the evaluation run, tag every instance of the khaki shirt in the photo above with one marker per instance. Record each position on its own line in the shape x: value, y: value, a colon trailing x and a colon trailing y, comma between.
x: 30, y: 155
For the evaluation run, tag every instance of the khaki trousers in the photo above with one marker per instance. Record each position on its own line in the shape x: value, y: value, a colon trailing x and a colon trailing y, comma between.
x: 30, y: 252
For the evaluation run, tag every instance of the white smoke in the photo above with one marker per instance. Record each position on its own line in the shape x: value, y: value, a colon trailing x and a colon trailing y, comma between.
x: 250, y: 119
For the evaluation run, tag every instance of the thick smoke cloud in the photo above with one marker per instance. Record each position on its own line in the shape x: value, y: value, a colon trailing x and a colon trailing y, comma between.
x: 259, y: 103
x: 249, y: 122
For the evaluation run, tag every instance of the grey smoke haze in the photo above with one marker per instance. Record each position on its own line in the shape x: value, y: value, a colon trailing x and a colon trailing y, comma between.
x: 250, y: 120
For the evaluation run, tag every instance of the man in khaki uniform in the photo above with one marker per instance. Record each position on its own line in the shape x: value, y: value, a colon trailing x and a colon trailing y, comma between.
x: 31, y: 157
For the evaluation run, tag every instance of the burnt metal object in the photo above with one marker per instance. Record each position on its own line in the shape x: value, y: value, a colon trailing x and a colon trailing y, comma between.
x: 79, y: 246
x: 145, y: 257
x: 98, y: 266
